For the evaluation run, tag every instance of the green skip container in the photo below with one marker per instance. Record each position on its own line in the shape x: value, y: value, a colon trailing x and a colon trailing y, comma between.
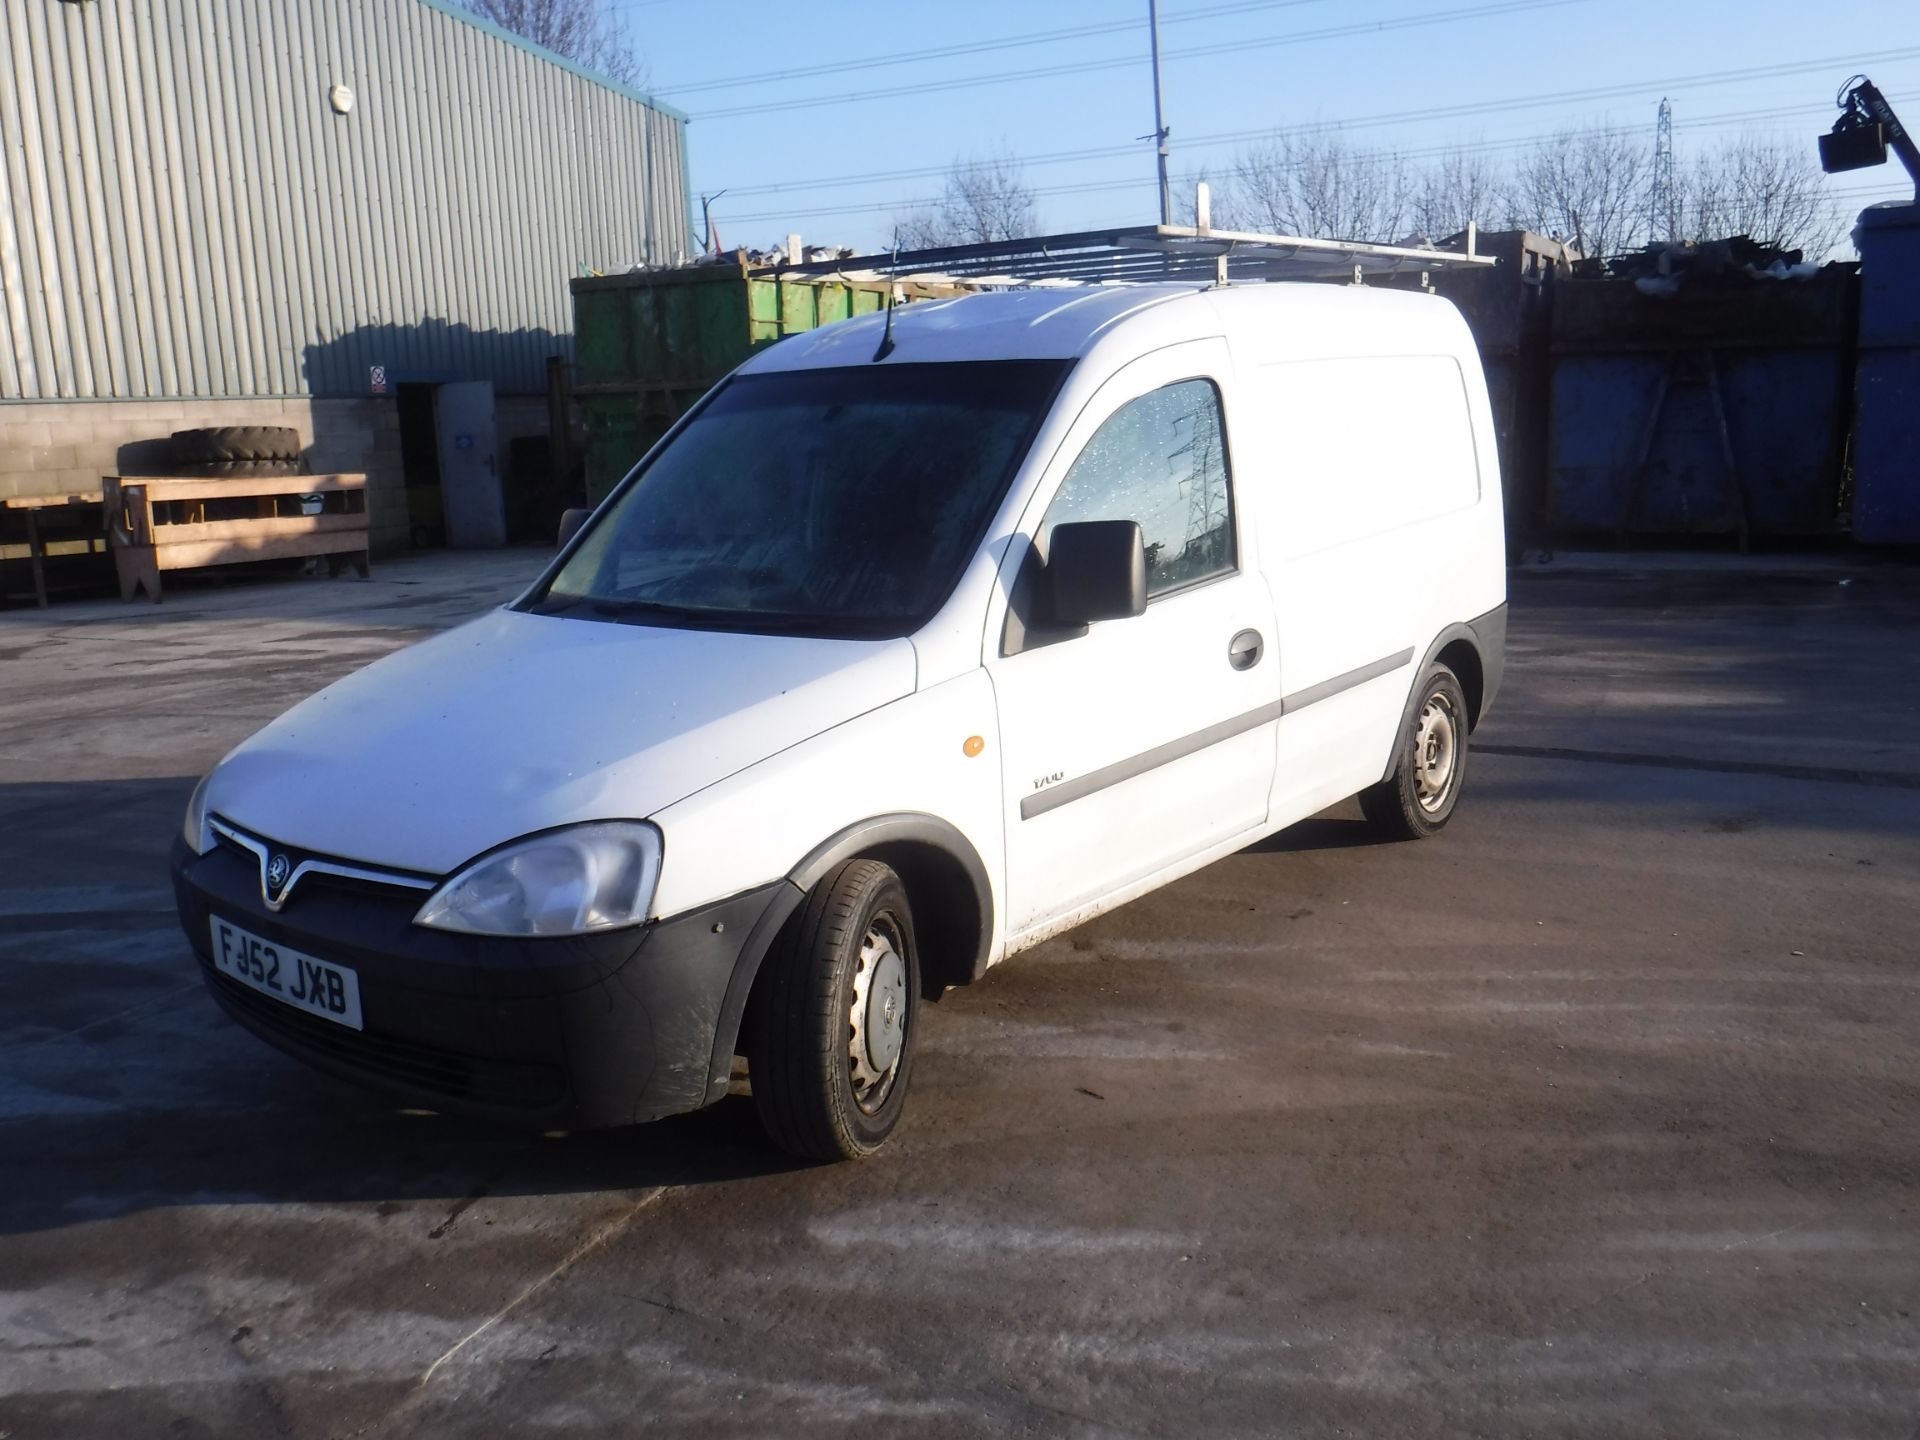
x: 649, y: 344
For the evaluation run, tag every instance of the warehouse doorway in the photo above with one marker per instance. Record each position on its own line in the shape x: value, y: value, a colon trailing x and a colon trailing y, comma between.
x: 420, y: 466
x: 448, y: 462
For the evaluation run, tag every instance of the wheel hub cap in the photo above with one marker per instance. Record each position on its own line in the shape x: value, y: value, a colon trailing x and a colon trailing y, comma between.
x: 1435, y: 751
x: 878, y: 1019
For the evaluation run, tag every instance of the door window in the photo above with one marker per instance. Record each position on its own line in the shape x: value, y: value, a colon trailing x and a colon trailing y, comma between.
x: 1160, y: 460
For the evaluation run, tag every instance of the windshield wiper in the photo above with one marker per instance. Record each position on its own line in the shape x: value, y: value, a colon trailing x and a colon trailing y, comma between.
x: 699, y: 617
x: 644, y: 610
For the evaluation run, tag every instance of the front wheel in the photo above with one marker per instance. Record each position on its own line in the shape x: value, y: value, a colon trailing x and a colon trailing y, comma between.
x: 833, y: 1024
x: 1418, y: 798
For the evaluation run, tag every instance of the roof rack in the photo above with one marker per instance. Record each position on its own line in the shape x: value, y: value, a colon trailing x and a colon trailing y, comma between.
x: 1146, y: 254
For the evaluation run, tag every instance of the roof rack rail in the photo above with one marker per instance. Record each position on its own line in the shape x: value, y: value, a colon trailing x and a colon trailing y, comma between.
x: 1148, y: 254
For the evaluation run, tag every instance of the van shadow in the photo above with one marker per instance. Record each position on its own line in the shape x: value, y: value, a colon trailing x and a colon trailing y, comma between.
x: 312, y: 1141
x: 124, y: 1088
x: 1332, y: 830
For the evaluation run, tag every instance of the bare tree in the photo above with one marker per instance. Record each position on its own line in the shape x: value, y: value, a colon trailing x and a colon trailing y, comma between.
x: 1589, y: 187
x: 584, y: 31
x: 1462, y: 186
x: 1765, y: 188
x: 985, y: 200
x: 1313, y: 183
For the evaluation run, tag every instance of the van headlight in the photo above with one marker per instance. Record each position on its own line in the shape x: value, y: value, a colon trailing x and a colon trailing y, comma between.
x: 193, y: 828
x: 567, y: 882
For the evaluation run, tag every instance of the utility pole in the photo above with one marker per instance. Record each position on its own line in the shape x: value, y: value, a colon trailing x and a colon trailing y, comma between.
x: 1159, y: 136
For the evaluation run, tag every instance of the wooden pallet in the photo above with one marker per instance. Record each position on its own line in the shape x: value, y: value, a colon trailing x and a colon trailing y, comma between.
x: 168, y: 523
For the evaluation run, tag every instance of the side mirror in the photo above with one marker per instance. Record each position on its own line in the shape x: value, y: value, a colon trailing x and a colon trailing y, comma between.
x: 570, y: 523
x: 1096, y: 570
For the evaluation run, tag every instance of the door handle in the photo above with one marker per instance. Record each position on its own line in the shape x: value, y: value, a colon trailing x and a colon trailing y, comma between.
x: 1245, y: 649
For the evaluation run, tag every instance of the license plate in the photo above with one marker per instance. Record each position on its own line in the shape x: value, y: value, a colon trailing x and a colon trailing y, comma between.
x: 305, y: 982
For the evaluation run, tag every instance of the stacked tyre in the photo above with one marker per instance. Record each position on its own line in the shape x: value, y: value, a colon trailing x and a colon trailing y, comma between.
x: 236, y: 451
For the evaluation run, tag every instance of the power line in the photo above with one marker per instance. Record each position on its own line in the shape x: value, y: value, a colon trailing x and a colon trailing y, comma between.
x: 1489, y: 107
x: 1424, y: 153
x: 1085, y: 67
x: 977, y: 47
x: 1101, y: 152
x: 1097, y: 187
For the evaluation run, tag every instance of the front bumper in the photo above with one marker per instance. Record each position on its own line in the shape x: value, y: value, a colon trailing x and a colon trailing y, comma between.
x: 573, y: 1033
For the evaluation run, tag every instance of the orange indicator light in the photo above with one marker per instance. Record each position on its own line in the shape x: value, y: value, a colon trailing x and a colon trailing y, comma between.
x: 974, y: 746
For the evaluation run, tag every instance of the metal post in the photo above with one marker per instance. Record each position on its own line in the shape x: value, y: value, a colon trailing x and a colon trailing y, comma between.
x: 1159, y: 120
x: 559, y: 420
x: 709, y: 242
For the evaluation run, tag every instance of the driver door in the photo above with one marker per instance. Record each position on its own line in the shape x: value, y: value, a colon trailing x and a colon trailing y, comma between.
x: 1139, y: 743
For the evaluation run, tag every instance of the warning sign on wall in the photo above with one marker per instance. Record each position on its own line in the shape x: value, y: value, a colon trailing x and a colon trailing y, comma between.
x: 377, y: 379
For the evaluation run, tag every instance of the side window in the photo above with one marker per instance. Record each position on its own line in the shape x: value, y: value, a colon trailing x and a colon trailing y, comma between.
x: 1160, y: 460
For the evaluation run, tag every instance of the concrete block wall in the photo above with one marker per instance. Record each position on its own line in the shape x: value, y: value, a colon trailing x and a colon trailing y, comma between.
x: 362, y: 435
x: 62, y: 447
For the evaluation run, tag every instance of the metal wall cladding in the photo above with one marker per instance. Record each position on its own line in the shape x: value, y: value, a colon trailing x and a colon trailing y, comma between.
x: 184, y: 213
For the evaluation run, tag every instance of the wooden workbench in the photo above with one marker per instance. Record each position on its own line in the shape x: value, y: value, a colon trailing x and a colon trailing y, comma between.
x: 72, y: 517
x: 179, y: 523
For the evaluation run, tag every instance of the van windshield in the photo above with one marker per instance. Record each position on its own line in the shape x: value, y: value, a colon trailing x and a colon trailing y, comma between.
x: 840, y: 502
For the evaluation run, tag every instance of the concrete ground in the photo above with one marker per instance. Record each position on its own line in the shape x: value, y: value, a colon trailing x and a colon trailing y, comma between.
x: 1597, y: 1116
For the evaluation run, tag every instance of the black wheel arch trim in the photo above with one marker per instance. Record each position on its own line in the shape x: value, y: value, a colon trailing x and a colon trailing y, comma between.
x: 1487, y: 635
x: 888, y: 838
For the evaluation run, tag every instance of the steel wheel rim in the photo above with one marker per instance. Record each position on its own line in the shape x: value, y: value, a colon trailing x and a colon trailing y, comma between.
x: 877, y: 1015
x: 1436, y: 752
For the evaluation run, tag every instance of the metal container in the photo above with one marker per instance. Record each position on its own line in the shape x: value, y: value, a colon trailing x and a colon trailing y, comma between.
x: 1886, y: 440
x: 1719, y: 409
x: 650, y: 344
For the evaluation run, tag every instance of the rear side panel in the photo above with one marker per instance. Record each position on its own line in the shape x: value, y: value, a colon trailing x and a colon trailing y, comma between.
x: 1381, y: 498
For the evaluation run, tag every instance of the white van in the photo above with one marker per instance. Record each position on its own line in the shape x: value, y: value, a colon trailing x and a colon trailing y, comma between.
x: 898, y: 655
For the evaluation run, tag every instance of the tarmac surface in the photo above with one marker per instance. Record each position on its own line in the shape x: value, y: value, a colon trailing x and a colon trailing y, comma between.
x: 1598, y: 1115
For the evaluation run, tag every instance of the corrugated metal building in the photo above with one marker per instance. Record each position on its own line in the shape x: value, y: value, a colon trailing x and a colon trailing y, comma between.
x: 200, y: 225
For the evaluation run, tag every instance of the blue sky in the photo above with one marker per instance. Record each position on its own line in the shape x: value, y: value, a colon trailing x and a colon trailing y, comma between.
x: 1259, y: 74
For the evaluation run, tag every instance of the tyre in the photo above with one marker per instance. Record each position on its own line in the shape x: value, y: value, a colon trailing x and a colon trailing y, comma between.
x: 235, y: 469
x: 1418, y: 798
x: 834, y: 1017
x: 234, y: 442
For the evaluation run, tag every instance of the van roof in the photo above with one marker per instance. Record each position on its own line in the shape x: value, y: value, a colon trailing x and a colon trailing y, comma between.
x: 1065, y: 322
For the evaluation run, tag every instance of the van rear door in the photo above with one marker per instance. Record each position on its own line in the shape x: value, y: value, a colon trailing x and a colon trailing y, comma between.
x: 1377, y: 526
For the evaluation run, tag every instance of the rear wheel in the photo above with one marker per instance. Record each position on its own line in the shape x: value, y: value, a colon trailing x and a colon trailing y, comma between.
x: 833, y: 1023
x: 1418, y: 798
